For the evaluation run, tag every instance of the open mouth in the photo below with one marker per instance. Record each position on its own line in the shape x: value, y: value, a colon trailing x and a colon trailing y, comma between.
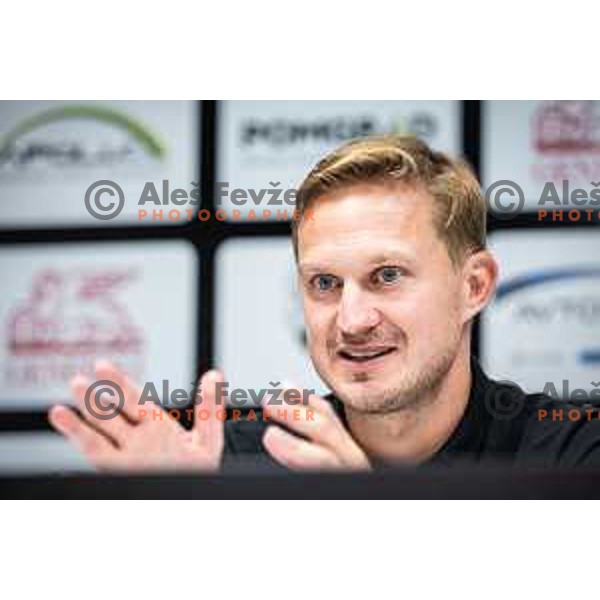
x: 365, y: 356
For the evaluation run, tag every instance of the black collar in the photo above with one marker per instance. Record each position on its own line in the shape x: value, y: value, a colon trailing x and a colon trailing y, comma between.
x: 469, y: 437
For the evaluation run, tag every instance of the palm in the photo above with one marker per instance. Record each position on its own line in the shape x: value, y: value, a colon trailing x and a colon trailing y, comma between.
x: 139, y: 440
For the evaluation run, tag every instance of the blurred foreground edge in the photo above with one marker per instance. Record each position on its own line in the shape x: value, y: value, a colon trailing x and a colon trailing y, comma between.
x: 471, y: 483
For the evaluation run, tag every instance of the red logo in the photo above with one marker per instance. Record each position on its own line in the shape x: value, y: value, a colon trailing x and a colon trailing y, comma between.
x: 67, y: 321
x: 571, y: 126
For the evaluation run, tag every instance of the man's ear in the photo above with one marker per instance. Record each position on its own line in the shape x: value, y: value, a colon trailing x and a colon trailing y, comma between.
x: 480, y: 276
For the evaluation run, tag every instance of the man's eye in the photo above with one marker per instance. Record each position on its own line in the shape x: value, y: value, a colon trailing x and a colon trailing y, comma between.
x: 387, y: 275
x: 324, y: 283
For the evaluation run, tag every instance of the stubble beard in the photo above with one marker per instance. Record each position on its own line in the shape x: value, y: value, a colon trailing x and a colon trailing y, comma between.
x: 416, y: 390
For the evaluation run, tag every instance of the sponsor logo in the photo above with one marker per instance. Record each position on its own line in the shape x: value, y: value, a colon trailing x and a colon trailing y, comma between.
x: 567, y: 127
x: 295, y: 132
x: 67, y: 320
x: 79, y: 136
x: 565, y: 138
x: 573, y: 310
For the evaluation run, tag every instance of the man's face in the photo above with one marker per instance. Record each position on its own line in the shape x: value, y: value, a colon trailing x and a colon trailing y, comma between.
x: 382, y: 299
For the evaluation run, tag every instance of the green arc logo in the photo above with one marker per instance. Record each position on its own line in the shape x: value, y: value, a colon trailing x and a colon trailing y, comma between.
x: 147, y: 139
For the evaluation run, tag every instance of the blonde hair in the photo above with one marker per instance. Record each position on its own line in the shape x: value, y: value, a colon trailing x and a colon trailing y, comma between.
x: 459, y: 214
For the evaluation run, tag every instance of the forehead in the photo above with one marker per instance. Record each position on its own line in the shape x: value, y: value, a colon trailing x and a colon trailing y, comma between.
x: 368, y: 221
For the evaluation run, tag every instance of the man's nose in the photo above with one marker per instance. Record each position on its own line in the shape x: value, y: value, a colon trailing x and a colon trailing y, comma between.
x: 357, y: 313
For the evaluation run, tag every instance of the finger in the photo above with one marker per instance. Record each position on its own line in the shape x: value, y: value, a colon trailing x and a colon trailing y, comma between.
x: 208, y: 428
x: 313, y: 421
x: 101, y: 417
x: 105, y: 370
x: 321, y: 404
x: 294, y: 396
x: 96, y: 447
x: 296, y: 453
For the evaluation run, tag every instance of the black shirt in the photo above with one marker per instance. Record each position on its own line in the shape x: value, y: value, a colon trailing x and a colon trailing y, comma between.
x: 501, y: 425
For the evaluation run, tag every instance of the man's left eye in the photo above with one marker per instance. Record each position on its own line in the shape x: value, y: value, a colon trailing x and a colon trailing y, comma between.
x: 387, y: 275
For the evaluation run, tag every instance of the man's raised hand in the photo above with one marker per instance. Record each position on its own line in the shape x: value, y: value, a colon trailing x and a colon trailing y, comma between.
x: 135, y: 439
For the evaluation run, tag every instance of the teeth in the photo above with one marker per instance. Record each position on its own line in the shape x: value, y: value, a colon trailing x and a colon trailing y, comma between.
x: 366, y: 355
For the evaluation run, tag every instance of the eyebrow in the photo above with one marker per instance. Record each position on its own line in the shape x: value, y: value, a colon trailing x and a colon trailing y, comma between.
x: 384, y: 257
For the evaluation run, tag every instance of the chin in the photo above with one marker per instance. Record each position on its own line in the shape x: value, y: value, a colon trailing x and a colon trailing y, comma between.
x: 370, y: 402
x: 363, y: 393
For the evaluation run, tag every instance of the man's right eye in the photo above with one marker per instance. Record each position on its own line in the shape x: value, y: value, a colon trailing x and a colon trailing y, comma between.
x: 324, y: 283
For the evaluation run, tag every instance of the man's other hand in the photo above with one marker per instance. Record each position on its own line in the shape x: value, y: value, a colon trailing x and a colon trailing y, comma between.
x: 323, y: 442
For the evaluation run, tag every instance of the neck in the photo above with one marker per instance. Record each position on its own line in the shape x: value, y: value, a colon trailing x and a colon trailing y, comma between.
x: 413, y: 435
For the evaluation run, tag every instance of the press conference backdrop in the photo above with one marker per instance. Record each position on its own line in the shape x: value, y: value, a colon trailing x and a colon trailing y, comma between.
x: 167, y: 295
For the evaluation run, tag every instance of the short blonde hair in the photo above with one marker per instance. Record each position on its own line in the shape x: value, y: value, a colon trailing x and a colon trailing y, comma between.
x: 460, y: 213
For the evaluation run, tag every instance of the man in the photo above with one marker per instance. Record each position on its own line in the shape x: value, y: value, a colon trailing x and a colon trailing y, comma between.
x: 393, y: 269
